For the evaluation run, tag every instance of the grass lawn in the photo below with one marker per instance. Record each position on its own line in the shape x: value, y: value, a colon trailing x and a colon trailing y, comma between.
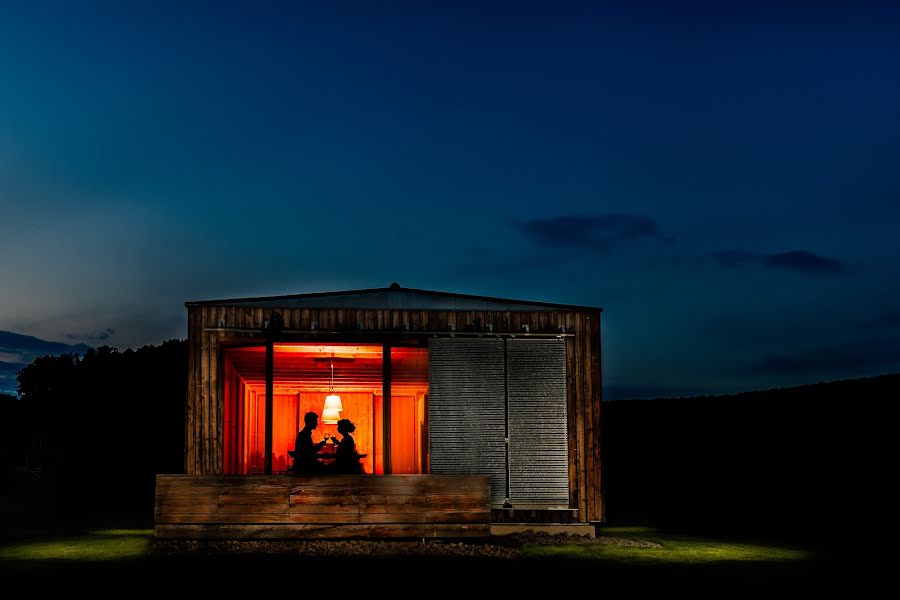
x: 123, y: 544
x: 100, y: 545
x: 672, y: 549
x: 114, y: 561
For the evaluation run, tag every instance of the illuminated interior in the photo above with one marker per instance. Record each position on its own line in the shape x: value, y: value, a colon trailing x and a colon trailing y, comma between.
x: 302, y: 378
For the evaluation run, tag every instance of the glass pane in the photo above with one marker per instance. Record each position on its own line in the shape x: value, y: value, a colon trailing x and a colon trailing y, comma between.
x: 409, y: 391
x: 304, y: 374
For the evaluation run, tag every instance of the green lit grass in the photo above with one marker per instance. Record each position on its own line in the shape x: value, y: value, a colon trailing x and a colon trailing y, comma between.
x: 674, y: 550
x: 127, y: 544
x: 101, y: 545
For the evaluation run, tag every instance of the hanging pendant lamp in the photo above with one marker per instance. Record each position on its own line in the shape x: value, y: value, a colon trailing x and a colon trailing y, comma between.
x: 333, y: 407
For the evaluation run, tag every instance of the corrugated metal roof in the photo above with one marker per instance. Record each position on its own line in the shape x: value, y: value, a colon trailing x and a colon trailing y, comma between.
x: 394, y: 298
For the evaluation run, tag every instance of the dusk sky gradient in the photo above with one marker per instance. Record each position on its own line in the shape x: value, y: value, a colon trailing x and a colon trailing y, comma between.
x: 722, y: 178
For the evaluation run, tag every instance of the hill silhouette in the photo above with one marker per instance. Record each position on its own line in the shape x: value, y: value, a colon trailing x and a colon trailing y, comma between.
x: 795, y: 463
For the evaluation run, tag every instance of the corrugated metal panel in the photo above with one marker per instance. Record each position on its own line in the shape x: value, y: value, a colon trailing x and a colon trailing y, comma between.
x: 466, y: 409
x: 538, y: 445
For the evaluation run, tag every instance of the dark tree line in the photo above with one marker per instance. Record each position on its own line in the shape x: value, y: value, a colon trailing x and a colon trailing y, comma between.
x: 87, y: 435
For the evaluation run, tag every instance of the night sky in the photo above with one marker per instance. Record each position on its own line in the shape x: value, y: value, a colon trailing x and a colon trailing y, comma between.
x: 723, y: 180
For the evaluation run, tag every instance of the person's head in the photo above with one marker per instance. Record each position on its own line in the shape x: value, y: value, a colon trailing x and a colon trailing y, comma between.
x: 311, y: 420
x: 345, y: 426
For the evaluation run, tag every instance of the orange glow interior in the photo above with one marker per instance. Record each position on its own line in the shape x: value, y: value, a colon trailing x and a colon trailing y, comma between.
x: 302, y: 379
x: 409, y: 389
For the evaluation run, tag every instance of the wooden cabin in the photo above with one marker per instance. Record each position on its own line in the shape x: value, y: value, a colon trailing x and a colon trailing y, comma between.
x: 470, y: 412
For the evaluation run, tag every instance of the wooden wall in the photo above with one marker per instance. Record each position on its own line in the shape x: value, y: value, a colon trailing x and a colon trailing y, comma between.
x: 337, y: 506
x: 205, y: 402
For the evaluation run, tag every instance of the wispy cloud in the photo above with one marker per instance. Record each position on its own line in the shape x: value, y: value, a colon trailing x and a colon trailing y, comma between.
x: 19, y: 343
x: 800, y: 261
x: 98, y: 336
x: 803, y: 261
x: 599, y: 233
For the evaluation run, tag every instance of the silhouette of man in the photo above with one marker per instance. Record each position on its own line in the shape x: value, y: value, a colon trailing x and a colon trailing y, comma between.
x: 306, y: 458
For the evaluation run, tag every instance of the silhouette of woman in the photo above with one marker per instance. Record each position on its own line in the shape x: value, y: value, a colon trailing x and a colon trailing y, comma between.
x: 346, y: 459
x: 306, y: 458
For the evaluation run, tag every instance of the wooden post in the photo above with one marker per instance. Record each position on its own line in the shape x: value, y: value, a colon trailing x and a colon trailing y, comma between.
x: 386, y: 405
x: 270, y: 376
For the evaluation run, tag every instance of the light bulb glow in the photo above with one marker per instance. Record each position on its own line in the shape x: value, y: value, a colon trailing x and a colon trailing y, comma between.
x: 333, y: 401
x: 330, y: 416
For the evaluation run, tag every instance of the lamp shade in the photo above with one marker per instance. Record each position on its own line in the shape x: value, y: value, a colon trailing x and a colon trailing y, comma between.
x: 330, y: 416
x: 333, y: 401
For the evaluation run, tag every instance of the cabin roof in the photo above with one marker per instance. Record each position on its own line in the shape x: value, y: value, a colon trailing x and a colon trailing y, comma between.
x: 394, y: 298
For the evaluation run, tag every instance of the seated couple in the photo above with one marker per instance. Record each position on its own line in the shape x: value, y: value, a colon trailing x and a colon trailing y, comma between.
x: 307, y: 460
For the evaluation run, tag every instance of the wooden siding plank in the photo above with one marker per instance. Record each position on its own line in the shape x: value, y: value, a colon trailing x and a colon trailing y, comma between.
x: 338, y: 498
x: 219, y: 403
x: 209, y: 433
x: 321, y: 531
x: 198, y: 389
x: 591, y: 494
x: 579, y: 415
x: 209, y: 441
x: 224, y: 504
x: 204, y: 393
x: 433, y: 517
x: 189, y: 400
x: 596, y: 377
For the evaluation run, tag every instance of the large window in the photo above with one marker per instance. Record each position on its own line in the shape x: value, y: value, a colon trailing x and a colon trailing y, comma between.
x: 302, y: 376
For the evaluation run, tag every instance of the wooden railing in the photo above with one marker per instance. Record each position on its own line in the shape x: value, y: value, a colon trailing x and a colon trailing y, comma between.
x: 339, y: 506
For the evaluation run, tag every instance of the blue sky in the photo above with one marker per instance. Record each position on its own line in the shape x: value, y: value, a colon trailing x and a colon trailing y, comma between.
x: 723, y: 180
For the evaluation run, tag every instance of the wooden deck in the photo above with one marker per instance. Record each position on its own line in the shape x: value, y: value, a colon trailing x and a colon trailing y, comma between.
x: 339, y: 506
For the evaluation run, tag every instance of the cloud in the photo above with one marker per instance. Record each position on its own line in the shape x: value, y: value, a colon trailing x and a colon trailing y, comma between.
x: 99, y: 336
x: 601, y: 233
x: 801, y: 261
x: 19, y: 348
